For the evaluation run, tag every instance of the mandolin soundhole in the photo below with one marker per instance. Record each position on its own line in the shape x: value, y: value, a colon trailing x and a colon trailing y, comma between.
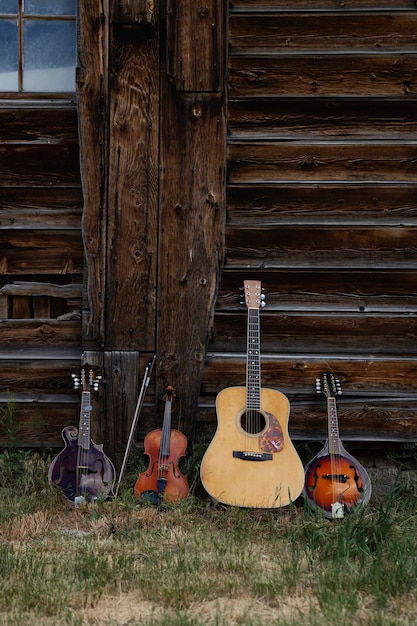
x: 253, y: 422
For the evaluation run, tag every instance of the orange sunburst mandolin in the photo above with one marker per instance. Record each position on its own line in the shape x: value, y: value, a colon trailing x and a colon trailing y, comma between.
x: 251, y: 461
x: 334, y: 481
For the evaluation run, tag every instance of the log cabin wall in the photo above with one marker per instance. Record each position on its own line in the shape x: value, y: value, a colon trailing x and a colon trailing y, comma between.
x: 41, y: 260
x: 312, y: 191
x: 321, y: 207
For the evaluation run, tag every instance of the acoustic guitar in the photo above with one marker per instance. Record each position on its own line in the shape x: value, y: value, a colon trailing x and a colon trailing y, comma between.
x: 335, y: 482
x: 251, y: 461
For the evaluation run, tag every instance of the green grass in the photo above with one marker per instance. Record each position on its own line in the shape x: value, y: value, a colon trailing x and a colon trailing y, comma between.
x: 195, y: 563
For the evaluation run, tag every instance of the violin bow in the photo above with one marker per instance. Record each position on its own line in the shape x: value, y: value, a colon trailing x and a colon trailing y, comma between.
x: 145, y: 383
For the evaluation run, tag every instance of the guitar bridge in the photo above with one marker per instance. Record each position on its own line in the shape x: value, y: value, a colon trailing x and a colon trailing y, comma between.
x: 252, y: 456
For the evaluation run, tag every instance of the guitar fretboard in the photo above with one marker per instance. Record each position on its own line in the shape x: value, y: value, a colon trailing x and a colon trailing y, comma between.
x: 253, y: 367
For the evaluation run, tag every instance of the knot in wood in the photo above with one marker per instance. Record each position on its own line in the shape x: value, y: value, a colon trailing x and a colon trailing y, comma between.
x: 308, y: 162
x: 197, y: 110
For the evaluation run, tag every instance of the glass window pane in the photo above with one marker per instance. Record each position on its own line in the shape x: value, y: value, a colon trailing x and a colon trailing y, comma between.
x: 49, y: 7
x: 8, y: 56
x: 8, y: 6
x: 49, y: 55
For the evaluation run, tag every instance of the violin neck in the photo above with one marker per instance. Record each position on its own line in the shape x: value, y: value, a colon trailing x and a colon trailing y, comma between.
x: 84, y: 426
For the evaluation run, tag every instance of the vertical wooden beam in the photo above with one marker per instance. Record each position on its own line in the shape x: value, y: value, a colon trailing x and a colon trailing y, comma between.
x: 133, y: 189
x: 192, y: 197
x: 196, y: 44
x: 191, y: 247
x: 92, y: 87
x: 122, y: 388
x: 133, y: 11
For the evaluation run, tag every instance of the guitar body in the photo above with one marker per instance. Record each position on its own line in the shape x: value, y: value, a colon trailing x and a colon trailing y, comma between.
x: 336, y: 483
x: 252, y: 469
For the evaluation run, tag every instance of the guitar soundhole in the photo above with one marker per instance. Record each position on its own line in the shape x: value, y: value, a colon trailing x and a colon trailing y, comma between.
x: 252, y: 422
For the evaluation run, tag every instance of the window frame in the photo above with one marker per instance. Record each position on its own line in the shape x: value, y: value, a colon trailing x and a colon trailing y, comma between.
x: 35, y: 95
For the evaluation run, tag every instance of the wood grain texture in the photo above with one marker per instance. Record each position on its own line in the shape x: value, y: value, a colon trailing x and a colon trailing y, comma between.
x: 196, y: 45
x: 132, y: 225
x: 92, y: 99
x: 192, y: 213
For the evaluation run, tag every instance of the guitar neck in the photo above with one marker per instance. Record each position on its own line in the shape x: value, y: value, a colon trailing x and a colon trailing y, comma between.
x: 253, y: 362
x: 84, y: 426
x: 333, y: 427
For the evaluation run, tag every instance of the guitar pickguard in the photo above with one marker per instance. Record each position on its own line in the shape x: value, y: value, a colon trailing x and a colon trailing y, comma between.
x: 273, y: 438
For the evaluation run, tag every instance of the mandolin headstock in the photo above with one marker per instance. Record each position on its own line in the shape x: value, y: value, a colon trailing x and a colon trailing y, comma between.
x: 88, y: 379
x: 329, y: 385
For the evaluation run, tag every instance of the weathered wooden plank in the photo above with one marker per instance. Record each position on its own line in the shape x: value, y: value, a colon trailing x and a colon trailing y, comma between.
x: 315, y: 75
x: 134, y: 11
x: 321, y: 247
x: 44, y: 124
x: 368, y: 376
x: 41, y: 332
x: 41, y: 252
x: 92, y: 98
x: 315, y: 32
x: 21, y: 308
x: 320, y: 290
x: 40, y: 218
x: 38, y: 370
x: 369, y: 420
x: 320, y: 5
x: 133, y: 199
x: 330, y: 161
x: 290, y: 333
x: 39, y: 165
x: 192, y: 216
x: 196, y: 44
x: 287, y: 118
x: 121, y: 371
x: 72, y: 291
x: 332, y: 203
x: 46, y: 198
x: 39, y: 424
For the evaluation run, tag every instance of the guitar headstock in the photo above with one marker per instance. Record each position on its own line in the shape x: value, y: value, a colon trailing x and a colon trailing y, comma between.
x: 329, y: 385
x: 254, y: 298
x: 88, y: 379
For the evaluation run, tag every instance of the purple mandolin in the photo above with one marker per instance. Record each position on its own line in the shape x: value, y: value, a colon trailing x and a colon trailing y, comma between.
x: 81, y: 469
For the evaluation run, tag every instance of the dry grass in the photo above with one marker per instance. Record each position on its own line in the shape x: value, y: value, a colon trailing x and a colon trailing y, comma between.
x: 196, y: 564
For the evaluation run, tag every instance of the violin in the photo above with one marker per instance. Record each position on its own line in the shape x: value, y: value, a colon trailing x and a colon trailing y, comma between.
x: 163, y: 480
x: 81, y: 469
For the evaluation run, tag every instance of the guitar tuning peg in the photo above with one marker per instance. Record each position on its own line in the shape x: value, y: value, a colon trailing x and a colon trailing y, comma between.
x: 263, y: 304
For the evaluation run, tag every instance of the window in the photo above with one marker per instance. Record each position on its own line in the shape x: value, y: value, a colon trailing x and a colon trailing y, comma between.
x: 37, y: 46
